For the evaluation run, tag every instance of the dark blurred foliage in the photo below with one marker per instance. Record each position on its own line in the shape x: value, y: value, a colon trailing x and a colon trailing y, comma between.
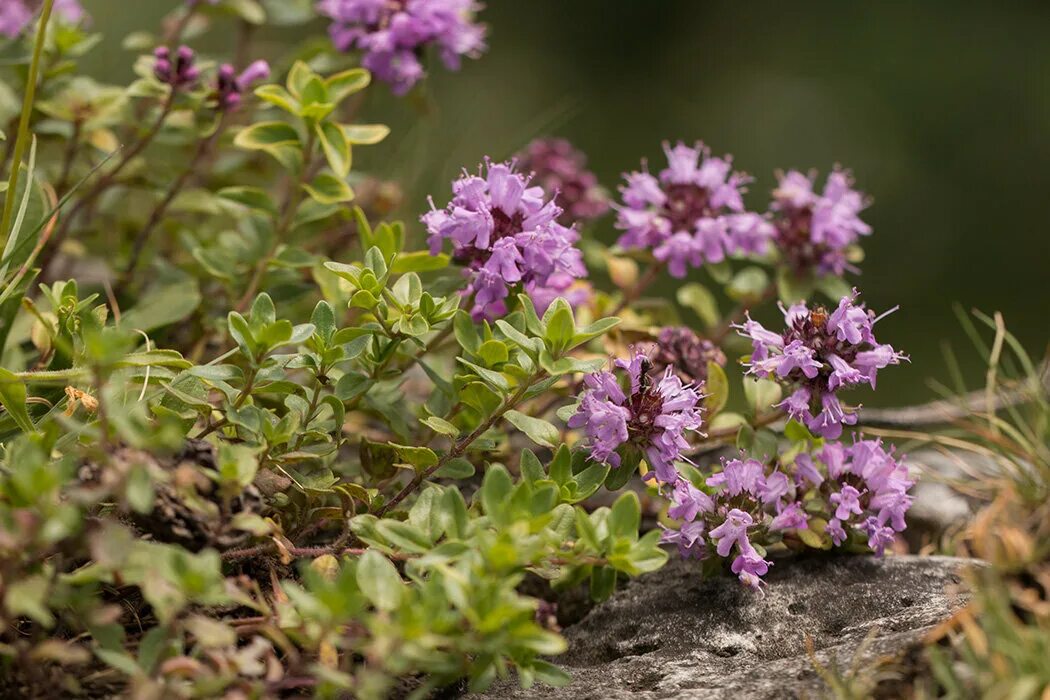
x: 941, y: 109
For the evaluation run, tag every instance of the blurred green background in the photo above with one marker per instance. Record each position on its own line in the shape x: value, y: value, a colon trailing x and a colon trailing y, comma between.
x: 941, y: 109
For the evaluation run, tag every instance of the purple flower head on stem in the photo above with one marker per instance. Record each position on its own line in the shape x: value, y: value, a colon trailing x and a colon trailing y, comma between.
x: 651, y: 415
x: 691, y: 213
x: 230, y: 87
x: 393, y: 35
x: 820, y: 354
x: 866, y: 490
x: 814, y: 231
x: 178, y: 70
x: 504, y: 232
x: 847, y: 492
x: 562, y: 172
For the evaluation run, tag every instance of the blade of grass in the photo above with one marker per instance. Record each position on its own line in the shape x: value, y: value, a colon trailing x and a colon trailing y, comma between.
x: 23, y: 121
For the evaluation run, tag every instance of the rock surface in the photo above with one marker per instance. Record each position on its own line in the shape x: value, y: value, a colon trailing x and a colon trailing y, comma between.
x: 671, y: 635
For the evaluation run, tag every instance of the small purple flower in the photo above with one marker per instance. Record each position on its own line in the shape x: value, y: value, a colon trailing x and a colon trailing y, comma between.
x: 179, y: 71
x: 230, y: 87
x: 689, y: 539
x: 505, y: 232
x: 733, y: 531
x: 834, y: 529
x: 692, y: 213
x: 393, y: 34
x: 562, y: 172
x: 652, y: 416
x: 790, y: 517
x: 847, y: 501
x: 820, y: 354
x: 16, y: 15
x: 749, y: 568
x: 740, y: 476
x: 814, y: 231
x: 688, y: 501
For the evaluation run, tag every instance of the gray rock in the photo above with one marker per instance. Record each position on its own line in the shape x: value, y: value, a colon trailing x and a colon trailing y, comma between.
x: 671, y: 635
x: 938, y: 507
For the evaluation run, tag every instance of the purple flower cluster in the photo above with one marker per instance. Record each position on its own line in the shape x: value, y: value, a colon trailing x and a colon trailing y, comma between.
x: 230, y: 87
x: 393, y: 34
x: 180, y: 71
x: 814, y: 231
x: 562, y: 172
x: 692, y: 213
x: 652, y: 416
x: 506, y: 233
x: 820, y: 353
x: 15, y: 15
x: 859, y: 490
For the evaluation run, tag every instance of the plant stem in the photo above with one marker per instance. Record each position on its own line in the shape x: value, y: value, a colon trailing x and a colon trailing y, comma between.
x: 203, y: 149
x: 740, y: 312
x: 284, y: 223
x: 631, y: 295
x: 461, y: 446
x: 69, y: 159
x: 22, y: 140
x: 107, y: 180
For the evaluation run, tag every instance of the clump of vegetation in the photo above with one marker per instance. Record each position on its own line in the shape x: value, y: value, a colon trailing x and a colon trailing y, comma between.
x: 258, y: 440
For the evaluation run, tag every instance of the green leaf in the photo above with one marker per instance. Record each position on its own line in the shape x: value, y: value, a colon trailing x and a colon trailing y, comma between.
x: 466, y: 333
x: 274, y: 138
x: 278, y: 96
x: 248, y: 10
x: 168, y: 301
x: 329, y: 189
x: 13, y: 398
x: 717, y: 388
x: 815, y: 534
x: 298, y: 77
x: 797, y: 432
x: 404, y: 535
x: 550, y: 674
x: 589, y: 481
x: 495, y: 489
x: 323, y: 319
x: 458, y: 468
x: 834, y: 288
x: 378, y: 579
x: 530, y: 466
x: 540, y: 431
x: 418, y: 261
x: 365, y: 134
x: 626, y: 515
x: 792, y: 288
x: 598, y: 328
x: 761, y: 393
x: 335, y: 146
x: 441, y: 426
x: 493, y: 352
x: 561, y: 326
x: 748, y: 285
x: 419, y: 457
x: 701, y: 301
x: 342, y: 85
x: 494, y: 379
x: 603, y: 583
x: 560, y: 470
